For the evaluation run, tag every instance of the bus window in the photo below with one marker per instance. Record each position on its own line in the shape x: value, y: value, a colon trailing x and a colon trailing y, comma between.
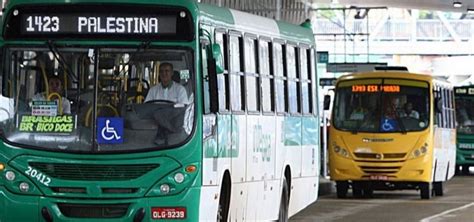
x: 123, y: 80
x: 251, y: 77
x: 304, y: 81
x: 236, y: 75
x: 279, y: 78
x: 223, y: 80
x: 292, y: 81
x: 382, y: 106
x: 268, y: 100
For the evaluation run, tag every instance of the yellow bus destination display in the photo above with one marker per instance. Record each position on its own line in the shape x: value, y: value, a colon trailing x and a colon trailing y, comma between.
x: 376, y: 88
x: 47, y: 124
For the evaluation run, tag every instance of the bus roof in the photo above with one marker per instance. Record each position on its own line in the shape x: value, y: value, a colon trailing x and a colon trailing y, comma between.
x: 395, y: 75
x: 209, y: 14
x: 389, y: 74
x: 242, y: 21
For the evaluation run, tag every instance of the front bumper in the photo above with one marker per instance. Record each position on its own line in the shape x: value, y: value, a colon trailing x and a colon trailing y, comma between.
x: 14, y: 207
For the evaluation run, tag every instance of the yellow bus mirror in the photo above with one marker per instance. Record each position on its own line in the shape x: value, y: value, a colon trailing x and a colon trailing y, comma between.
x: 217, y: 55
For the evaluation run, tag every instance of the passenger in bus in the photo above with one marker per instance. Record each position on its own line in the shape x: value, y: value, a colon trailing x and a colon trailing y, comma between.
x: 408, y: 111
x: 55, y: 90
x: 167, y: 89
x: 359, y: 112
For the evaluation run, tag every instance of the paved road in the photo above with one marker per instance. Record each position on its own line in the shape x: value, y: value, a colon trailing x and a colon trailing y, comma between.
x: 456, y: 205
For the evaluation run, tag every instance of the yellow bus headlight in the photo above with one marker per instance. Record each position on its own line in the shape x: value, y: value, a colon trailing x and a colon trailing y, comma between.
x: 2, y: 166
x: 419, y: 152
x: 341, y: 151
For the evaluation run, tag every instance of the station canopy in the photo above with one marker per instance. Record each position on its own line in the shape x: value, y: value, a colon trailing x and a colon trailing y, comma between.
x: 296, y: 11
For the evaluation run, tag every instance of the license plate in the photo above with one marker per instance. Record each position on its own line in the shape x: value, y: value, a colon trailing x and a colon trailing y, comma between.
x: 378, y: 177
x: 168, y: 213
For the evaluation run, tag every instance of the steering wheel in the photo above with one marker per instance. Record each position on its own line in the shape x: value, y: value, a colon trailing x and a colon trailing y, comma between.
x: 6, y: 111
x: 162, y: 101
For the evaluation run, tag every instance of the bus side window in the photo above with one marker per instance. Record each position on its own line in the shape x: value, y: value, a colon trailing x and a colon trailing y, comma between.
x: 292, y: 80
x: 267, y: 81
x: 280, y: 89
x: 304, y: 81
x: 205, y: 77
x: 223, y: 79
x: 251, y: 76
x: 236, y: 75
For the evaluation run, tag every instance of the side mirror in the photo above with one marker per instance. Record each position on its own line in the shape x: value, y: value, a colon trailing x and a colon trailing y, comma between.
x: 327, y: 102
x: 218, y: 58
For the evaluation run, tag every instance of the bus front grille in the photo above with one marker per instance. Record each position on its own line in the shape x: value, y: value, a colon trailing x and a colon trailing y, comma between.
x: 93, y: 210
x: 380, y: 169
x: 380, y: 156
x: 96, y: 172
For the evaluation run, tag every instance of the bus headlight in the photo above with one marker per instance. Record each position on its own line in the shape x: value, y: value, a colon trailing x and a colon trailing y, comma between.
x: 165, y: 188
x: 10, y: 175
x: 419, y: 152
x: 341, y: 151
x: 24, y: 187
x: 179, y: 177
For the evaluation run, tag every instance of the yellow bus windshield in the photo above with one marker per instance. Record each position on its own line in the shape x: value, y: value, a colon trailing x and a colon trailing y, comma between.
x: 382, y: 105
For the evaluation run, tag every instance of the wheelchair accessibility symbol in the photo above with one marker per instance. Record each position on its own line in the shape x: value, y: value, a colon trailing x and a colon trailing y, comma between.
x: 388, y: 125
x: 109, y: 130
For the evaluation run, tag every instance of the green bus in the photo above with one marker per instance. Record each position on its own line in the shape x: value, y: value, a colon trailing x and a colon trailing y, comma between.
x: 464, y: 97
x: 158, y: 110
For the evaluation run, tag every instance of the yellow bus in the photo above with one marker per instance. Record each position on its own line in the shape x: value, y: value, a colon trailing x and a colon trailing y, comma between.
x: 391, y: 131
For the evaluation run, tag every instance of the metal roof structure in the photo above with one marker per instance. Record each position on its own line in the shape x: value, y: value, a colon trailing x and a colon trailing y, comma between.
x: 296, y: 11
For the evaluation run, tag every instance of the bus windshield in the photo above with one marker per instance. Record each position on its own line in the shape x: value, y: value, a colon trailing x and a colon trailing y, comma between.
x: 381, y: 105
x: 465, y: 114
x: 96, y: 100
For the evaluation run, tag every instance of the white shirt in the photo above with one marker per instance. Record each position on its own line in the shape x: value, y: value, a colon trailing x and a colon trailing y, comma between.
x: 413, y: 114
x: 66, y: 104
x: 176, y: 93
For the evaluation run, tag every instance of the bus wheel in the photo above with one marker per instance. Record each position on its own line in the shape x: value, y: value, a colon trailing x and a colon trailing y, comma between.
x: 465, y: 169
x: 357, y: 189
x: 283, y: 212
x: 456, y: 170
x: 438, y: 188
x: 224, y: 201
x: 341, y: 188
x: 425, y: 190
x: 367, y: 190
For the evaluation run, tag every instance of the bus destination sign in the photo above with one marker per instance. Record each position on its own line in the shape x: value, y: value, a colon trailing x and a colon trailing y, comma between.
x: 97, y: 24
x: 376, y: 88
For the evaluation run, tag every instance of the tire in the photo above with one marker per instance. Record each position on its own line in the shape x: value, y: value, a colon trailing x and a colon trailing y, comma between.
x: 357, y: 189
x: 465, y: 170
x: 367, y: 190
x: 224, y: 202
x: 425, y: 190
x: 285, y: 199
x: 456, y: 170
x: 438, y: 188
x: 341, y: 189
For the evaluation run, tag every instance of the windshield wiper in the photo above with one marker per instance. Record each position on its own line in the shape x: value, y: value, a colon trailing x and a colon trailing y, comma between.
x: 400, y: 123
x: 61, y: 60
x: 358, y: 126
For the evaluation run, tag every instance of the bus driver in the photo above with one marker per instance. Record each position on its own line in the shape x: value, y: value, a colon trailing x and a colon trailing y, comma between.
x: 167, y: 89
x: 169, y: 120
